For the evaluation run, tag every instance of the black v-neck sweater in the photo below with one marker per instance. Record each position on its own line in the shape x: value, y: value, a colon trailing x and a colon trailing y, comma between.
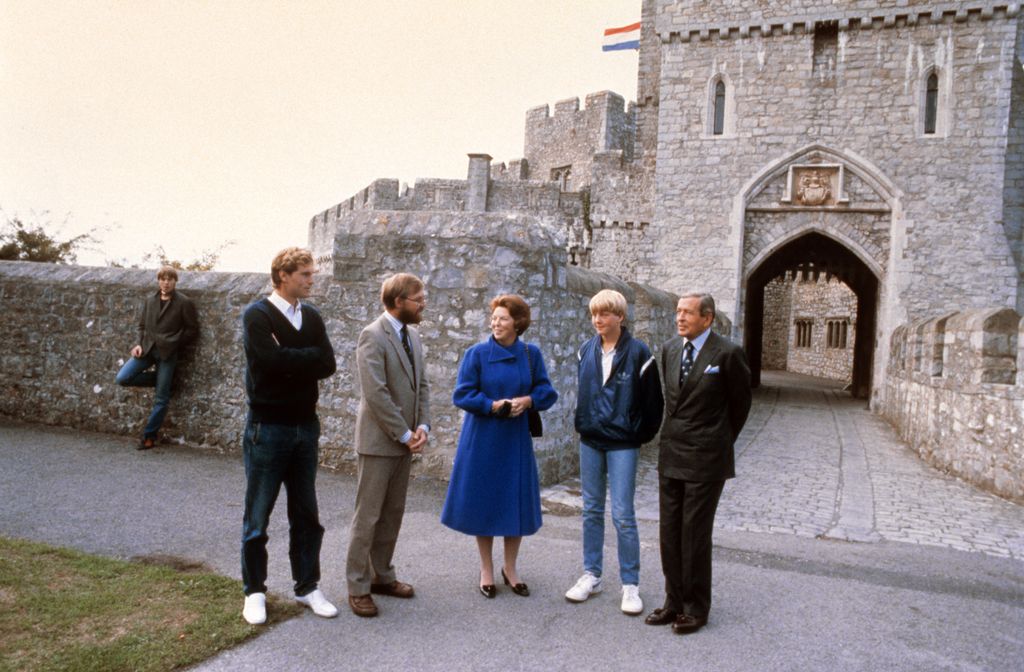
x: 283, y: 364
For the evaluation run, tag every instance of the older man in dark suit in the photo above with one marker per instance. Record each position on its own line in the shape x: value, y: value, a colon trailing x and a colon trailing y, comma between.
x: 167, y: 321
x: 707, y: 399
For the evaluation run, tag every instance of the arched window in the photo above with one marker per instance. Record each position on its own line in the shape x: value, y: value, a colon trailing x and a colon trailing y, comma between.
x: 931, y: 104
x: 719, y: 109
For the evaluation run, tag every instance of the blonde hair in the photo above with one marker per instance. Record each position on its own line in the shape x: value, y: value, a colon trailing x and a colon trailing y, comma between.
x: 609, y: 301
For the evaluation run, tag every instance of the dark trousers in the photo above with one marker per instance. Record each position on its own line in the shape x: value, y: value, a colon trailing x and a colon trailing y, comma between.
x: 687, y: 512
x: 276, y: 455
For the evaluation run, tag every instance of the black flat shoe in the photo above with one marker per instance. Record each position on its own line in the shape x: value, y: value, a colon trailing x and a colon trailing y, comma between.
x: 519, y: 588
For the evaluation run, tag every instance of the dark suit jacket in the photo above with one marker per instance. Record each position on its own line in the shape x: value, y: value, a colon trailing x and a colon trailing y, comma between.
x: 703, y: 419
x: 168, y: 328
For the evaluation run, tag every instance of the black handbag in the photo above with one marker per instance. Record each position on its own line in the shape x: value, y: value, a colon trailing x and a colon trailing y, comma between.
x: 532, y: 414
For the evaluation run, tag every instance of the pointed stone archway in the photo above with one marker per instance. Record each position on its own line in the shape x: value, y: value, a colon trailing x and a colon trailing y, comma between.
x: 819, y: 210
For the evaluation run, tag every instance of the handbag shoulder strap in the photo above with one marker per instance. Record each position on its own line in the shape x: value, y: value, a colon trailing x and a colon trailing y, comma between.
x: 529, y: 364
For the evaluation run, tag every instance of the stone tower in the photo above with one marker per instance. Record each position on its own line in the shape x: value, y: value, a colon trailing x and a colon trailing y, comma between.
x: 879, y: 142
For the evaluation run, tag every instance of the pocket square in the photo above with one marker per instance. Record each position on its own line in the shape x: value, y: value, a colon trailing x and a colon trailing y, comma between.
x: 711, y: 369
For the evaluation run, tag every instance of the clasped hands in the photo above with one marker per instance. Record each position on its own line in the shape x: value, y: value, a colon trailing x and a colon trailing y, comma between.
x: 417, y: 441
x: 517, y: 406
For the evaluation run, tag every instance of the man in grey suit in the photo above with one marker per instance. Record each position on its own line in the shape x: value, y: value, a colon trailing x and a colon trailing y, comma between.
x: 392, y: 426
x: 707, y: 399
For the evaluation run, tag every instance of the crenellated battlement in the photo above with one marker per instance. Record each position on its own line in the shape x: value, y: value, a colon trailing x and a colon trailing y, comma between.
x: 750, y: 18
x: 561, y: 146
x: 955, y: 392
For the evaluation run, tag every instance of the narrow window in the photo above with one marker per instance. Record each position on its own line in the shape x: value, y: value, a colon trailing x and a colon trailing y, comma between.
x: 719, y: 125
x: 803, y: 333
x: 931, y: 104
x: 836, y: 334
x: 826, y: 51
x: 562, y: 175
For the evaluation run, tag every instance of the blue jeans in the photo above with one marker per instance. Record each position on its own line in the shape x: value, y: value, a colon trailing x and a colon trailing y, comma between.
x: 276, y: 455
x: 618, y: 469
x: 139, y: 372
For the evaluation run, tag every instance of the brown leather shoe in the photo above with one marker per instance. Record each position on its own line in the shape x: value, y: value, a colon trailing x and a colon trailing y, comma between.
x: 660, y: 616
x: 362, y: 605
x: 685, y: 624
x: 394, y: 589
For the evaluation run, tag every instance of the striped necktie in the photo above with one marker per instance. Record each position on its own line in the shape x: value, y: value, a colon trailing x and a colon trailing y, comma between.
x: 687, y: 363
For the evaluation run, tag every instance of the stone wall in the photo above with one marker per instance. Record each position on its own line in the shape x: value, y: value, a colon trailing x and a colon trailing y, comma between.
x: 775, y: 339
x: 63, y: 347
x: 868, y: 106
x: 491, y: 185
x: 699, y: 18
x: 955, y: 393
x: 816, y: 302
x: 571, y: 136
x: 74, y: 328
x: 621, y: 203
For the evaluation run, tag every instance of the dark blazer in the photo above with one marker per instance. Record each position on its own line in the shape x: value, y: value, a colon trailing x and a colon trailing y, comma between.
x: 703, y: 419
x: 167, y: 328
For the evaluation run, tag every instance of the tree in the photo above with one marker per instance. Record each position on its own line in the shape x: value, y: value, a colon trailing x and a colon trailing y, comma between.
x: 206, y: 261
x: 20, y: 242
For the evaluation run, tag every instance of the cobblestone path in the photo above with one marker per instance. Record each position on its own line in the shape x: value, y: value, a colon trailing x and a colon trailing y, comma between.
x: 813, y: 462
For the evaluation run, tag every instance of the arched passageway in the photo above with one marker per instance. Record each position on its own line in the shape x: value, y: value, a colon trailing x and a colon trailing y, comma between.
x: 813, y: 254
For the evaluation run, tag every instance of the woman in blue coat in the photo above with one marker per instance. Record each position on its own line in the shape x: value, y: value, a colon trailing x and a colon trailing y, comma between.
x: 494, y: 490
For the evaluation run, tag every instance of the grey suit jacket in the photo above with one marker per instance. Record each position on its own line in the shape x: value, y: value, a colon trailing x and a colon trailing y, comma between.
x: 704, y: 417
x: 392, y: 400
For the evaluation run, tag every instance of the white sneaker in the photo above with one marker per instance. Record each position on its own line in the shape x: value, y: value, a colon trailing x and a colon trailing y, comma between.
x: 318, y: 603
x: 631, y: 602
x: 587, y: 585
x: 255, y: 610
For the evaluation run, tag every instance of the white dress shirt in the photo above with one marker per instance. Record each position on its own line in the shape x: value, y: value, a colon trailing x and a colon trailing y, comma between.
x: 292, y: 313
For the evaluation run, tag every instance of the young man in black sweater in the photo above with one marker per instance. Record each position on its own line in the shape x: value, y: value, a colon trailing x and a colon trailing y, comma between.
x: 287, y: 352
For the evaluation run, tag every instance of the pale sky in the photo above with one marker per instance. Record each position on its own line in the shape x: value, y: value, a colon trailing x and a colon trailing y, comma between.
x: 187, y: 124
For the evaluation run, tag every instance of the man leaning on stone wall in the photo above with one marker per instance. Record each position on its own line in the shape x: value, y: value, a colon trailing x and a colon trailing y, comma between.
x: 167, y: 321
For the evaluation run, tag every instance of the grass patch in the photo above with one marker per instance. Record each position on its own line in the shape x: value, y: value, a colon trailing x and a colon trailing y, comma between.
x: 65, y: 610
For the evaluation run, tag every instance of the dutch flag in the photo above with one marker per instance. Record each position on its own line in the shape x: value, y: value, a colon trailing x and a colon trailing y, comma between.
x: 618, y: 39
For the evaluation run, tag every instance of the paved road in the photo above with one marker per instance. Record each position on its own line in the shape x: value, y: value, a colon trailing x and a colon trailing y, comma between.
x: 784, y: 598
x: 812, y: 462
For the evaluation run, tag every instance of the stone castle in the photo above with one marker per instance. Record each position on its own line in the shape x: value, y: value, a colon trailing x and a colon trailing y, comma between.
x: 878, y: 143
x: 846, y: 178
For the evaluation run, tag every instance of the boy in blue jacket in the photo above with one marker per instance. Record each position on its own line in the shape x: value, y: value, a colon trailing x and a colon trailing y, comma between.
x: 619, y: 407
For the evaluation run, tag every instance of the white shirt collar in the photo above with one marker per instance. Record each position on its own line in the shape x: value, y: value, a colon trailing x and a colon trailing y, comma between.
x: 292, y: 313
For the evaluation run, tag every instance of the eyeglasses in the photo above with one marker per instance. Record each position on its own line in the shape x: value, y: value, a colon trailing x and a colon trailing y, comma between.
x: 421, y: 300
